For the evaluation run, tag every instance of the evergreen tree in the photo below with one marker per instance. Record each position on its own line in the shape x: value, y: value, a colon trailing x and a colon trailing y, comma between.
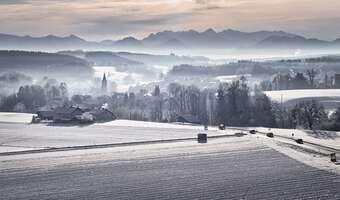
x: 221, y: 105
x: 8, y: 103
x: 263, y: 112
x: 156, y: 91
x: 238, y: 104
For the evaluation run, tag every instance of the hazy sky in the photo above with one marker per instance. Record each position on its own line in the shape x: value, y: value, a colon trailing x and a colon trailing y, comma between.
x: 114, y: 19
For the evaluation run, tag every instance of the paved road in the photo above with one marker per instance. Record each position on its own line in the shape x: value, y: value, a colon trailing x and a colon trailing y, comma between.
x: 221, y: 169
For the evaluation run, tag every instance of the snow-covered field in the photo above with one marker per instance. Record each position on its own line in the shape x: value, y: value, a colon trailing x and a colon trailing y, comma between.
x: 24, y: 136
x: 330, y: 139
x: 141, y: 124
x: 17, y: 134
x: 288, y: 95
x: 15, y: 117
x: 230, y: 78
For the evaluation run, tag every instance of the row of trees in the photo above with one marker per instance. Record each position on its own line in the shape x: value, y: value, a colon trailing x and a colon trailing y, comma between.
x: 232, y: 104
x: 290, y: 81
x: 31, y: 98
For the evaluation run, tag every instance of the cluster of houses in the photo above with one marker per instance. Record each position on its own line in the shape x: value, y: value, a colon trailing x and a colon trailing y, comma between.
x: 72, y: 114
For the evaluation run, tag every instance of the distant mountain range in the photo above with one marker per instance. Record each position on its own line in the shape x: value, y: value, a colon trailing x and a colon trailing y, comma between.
x: 210, y: 39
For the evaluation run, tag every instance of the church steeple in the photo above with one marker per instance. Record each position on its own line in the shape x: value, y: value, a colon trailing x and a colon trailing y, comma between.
x: 104, y: 84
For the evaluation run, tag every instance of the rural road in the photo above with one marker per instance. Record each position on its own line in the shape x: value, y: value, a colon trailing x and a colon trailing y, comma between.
x: 229, y: 168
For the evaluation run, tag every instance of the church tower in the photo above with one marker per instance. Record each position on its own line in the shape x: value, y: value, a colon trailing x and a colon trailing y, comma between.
x: 104, y: 84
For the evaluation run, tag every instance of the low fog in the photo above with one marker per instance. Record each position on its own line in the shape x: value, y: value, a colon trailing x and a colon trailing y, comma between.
x: 170, y: 74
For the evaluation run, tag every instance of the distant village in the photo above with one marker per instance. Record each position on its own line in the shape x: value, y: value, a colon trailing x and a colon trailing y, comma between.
x: 72, y: 114
x: 76, y: 114
x: 233, y: 103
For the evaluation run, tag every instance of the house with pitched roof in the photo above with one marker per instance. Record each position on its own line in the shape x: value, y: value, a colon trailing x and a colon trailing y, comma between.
x: 103, y: 115
x: 67, y: 114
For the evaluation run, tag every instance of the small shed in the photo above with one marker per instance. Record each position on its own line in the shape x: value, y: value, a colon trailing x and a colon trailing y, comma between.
x: 103, y: 115
x: 45, y: 114
x: 188, y: 119
x: 67, y: 113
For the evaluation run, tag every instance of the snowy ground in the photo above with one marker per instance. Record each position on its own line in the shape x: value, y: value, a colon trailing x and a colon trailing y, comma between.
x: 306, y: 154
x: 329, y: 98
x: 229, y: 168
x: 44, y: 136
x: 326, y: 138
x: 288, y: 95
x: 141, y: 124
x: 15, y: 117
x: 230, y: 78
x: 16, y: 134
x: 24, y: 136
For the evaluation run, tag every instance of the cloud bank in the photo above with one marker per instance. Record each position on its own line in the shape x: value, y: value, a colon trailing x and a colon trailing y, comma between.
x: 114, y: 19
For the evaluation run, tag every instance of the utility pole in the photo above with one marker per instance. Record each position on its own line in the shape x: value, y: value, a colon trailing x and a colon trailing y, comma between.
x: 282, y: 125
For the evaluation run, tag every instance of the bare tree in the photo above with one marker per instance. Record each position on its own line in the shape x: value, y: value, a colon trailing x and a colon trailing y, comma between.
x: 311, y: 74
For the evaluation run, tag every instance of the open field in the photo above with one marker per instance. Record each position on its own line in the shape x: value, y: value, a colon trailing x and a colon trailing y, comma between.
x: 288, y: 95
x: 15, y: 117
x: 24, y: 136
x: 17, y: 134
x: 329, y: 98
x: 248, y: 167
x: 39, y: 136
x: 326, y: 138
x: 222, y: 169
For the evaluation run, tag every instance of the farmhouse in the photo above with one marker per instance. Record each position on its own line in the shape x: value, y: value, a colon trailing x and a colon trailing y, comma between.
x: 187, y: 118
x: 45, y: 114
x: 103, y: 115
x: 67, y: 113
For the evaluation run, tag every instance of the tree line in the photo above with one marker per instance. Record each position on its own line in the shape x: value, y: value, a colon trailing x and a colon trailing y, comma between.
x: 31, y: 98
x: 231, y: 104
x: 311, y: 79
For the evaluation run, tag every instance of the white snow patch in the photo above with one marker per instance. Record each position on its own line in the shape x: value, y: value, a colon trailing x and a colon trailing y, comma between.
x: 325, y: 138
x: 4, y: 149
x: 142, y: 124
x: 6, y: 117
x: 288, y: 95
x: 120, y: 131
x: 231, y: 78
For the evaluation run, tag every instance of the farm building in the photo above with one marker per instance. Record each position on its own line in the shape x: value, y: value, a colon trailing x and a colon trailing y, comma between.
x: 45, y: 114
x: 103, y: 115
x: 188, y: 119
x: 67, y: 113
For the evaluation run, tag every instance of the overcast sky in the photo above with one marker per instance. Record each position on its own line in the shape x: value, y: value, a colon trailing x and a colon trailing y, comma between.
x: 114, y: 19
